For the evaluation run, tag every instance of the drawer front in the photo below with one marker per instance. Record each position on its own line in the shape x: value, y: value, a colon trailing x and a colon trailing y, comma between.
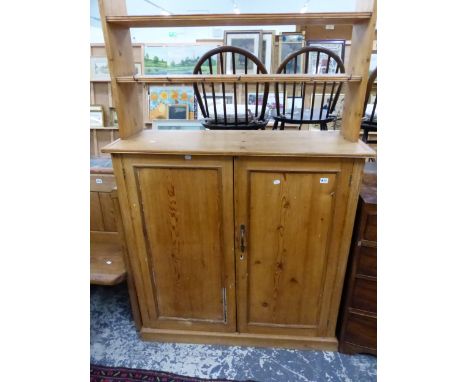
x: 370, y: 229
x: 361, y: 330
x: 367, y: 261
x: 364, y: 295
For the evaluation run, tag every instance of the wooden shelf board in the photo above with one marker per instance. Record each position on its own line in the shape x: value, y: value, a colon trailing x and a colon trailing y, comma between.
x: 104, y: 128
x: 105, y: 246
x: 241, y: 142
x: 249, y: 19
x: 239, y: 78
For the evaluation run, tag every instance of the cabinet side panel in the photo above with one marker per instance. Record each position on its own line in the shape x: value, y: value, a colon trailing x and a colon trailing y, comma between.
x: 182, y: 212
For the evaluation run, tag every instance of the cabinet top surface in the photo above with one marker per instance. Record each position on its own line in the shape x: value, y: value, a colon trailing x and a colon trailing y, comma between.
x: 241, y: 142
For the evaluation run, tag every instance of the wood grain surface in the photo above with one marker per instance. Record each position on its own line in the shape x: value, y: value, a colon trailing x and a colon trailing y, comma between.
x: 245, y: 143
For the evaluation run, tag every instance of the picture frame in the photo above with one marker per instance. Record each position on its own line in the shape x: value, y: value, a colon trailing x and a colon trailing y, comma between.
x: 137, y: 71
x: 373, y: 61
x: 113, y: 116
x: 96, y: 116
x: 229, y: 97
x: 248, y: 40
x: 177, y: 111
x: 270, y: 105
x: 266, y: 56
x: 290, y: 42
x: 177, y: 124
x: 161, y: 97
x: 170, y: 59
x: 336, y: 46
x: 99, y: 69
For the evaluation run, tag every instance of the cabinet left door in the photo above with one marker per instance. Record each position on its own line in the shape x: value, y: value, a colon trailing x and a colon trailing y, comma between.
x: 178, y: 217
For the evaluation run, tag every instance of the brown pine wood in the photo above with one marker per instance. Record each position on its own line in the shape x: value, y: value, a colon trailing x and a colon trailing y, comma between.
x: 339, y: 245
x: 142, y: 284
x: 97, y: 221
x: 238, y: 78
x: 179, y: 192
x: 135, y: 306
x: 107, y: 265
x: 242, y: 339
x: 256, y: 19
x: 246, y: 143
x: 290, y: 217
x: 182, y: 226
x: 126, y: 97
x: 358, y: 65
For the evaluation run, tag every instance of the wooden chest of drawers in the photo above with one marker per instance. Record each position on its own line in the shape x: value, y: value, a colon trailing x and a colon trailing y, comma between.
x: 357, y: 330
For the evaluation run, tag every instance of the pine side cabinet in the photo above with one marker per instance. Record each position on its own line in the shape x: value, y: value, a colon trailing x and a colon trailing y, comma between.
x: 239, y: 237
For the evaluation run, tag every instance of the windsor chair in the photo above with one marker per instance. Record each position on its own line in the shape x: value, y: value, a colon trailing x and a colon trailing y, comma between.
x: 369, y: 121
x: 323, y: 99
x: 249, y: 114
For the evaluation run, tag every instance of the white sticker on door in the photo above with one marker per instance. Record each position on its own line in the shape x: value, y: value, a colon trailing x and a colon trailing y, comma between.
x: 323, y: 180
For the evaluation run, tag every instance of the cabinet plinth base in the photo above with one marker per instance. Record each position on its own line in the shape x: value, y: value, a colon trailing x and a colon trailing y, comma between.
x: 239, y: 339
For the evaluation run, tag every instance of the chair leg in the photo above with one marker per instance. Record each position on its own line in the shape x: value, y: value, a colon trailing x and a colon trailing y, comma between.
x: 282, y: 126
x: 323, y: 126
x: 275, y: 125
x: 365, y: 135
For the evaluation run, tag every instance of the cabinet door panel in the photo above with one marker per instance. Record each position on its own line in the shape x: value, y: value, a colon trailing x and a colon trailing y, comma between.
x: 288, y: 208
x: 185, y: 211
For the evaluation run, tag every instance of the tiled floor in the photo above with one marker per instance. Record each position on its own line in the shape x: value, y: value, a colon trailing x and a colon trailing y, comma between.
x: 115, y: 342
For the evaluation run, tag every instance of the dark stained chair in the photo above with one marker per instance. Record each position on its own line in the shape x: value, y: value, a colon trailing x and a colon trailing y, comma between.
x: 241, y: 118
x: 323, y: 97
x: 369, y: 120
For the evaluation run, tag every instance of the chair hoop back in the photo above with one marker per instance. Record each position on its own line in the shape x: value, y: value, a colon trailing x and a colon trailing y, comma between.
x: 300, y: 62
x: 226, y: 55
x: 370, y: 83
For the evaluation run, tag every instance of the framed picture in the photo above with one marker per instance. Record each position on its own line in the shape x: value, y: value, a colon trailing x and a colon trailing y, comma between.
x: 137, y: 71
x: 113, y: 116
x: 161, y: 97
x: 297, y: 103
x: 336, y: 46
x: 267, y: 49
x: 290, y: 42
x: 270, y: 105
x: 174, y: 124
x: 96, y: 115
x: 177, y: 58
x: 177, y: 111
x: 99, y: 69
x: 248, y: 40
x: 373, y: 61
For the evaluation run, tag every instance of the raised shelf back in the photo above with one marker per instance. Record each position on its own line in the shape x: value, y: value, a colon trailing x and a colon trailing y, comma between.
x: 116, y: 26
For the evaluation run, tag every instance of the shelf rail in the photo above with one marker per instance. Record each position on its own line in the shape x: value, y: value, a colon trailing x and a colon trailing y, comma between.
x: 245, y: 19
x: 239, y: 78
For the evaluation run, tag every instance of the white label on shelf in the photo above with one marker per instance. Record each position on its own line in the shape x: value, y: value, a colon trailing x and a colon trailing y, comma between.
x: 98, y: 180
x: 188, y: 157
x: 323, y: 180
x: 276, y: 181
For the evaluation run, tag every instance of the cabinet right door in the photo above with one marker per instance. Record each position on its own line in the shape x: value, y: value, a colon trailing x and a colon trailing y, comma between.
x: 292, y: 240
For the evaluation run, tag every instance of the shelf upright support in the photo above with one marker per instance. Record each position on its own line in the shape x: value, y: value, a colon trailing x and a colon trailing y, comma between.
x: 127, y: 97
x: 358, y: 65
